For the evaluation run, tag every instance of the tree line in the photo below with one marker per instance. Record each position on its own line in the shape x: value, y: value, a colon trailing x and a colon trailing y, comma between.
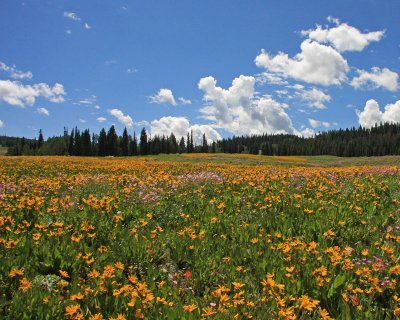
x: 382, y: 139
x: 83, y: 143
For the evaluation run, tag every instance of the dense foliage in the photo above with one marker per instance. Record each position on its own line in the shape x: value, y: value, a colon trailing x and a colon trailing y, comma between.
x: 383, y: 139
x: 135, y: 238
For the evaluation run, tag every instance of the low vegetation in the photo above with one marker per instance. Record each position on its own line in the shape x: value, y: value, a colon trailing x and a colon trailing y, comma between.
x: 198, y: 237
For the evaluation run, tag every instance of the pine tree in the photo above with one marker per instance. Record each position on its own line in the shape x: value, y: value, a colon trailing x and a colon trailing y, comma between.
x: 173, y: 144
x: 143, y: 142
x: 188, y: 143
x: 133, y: 149
x: 204, y: 148
x: 86, y: 143
x: 71, y: 143
x: 213, y: 147
x: 182, y: 148
x: 77, y: 143
x: 191, y: 141
x: 125, y: 144
x: 40, y: 139
x: 102, y: 146
x: 112, y: 141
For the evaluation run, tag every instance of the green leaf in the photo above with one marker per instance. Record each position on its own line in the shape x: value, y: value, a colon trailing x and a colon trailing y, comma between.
x: 338, y: 282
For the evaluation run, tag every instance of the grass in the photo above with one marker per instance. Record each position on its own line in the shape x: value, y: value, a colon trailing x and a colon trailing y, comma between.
x: 208, y: 236
x: 306, y: 161
x: 3, y: 150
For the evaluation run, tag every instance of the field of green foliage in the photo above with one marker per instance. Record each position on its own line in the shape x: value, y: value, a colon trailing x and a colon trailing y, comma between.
x: 199, y: 237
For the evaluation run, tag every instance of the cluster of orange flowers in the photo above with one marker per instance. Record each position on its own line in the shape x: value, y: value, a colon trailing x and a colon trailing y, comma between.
x: 141, y: 238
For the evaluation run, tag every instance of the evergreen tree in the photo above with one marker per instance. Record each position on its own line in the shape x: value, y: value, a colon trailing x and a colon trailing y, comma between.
x: 214, y: 147
x: 133, y: 149
x: 112, y: 142
x: 102, y: 145
x: 71, y: 143
x: 40, y: 139
x: 191, y: 141
x: 173, y: 144
x: 125, y: 144
x: 86, y: 143
x: 77, y: 143
x: 182, y: 148
x: 204, y: 144
x: 143, y: 142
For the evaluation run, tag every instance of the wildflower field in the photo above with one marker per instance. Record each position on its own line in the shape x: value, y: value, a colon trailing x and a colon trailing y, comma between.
x: 198, y: 237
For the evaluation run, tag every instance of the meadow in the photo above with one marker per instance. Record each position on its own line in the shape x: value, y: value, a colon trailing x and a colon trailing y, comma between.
x: 199, y: 237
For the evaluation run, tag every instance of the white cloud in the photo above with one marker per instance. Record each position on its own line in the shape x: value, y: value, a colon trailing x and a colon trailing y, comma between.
x: 378, y: 78
x: 343, y: 37
x: 165, y: 125
x: 68, y: 31
x: 17, y: 94
x: 43, y: 111
x: 72, y: 16
x: 372, y: 114
x: 15, y: 73
x: 184, y: 101
x: 82, y: 121
x: 307, y: 133
x: 87, y: 26
x: 314, y: 123
x: 199, y: 129
x: 316, y: 63
x: 180, y: 126
x: 131, y: 70
x: 126, y: 120
x: 326, y: 124
x: 163, y: 96
x: 238, y: 111
x: 269, y: 78
x: 1, y: 124
x: 101, y: 119
x: 315, y: 98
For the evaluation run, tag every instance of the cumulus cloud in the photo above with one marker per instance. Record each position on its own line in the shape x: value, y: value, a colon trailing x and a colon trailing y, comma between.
x: 126, y: 120
x: 199, y: 129
x: 164, y: 126
x: 270, y: 78
x: 378, y: 78
x: 180, y: 126
x: 343, y: 37
x: 184, y: 101
x: 314, y: 97
x: 316, y: 63
x: 307, y: 133
x: 87, y: 26
x: 326, y: 124
x: 238, y: 111
x: 15, y: 73
x: 43, y: 111
x: 17, y: 94
x: 372, y: 114
x: 101, y: 119
x: 1, y: 124
x: 71, y: 15
x: 163, y: 96
x: 315, y: 123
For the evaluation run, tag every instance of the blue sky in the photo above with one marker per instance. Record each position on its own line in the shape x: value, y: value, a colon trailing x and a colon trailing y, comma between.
x: 220, y: 67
